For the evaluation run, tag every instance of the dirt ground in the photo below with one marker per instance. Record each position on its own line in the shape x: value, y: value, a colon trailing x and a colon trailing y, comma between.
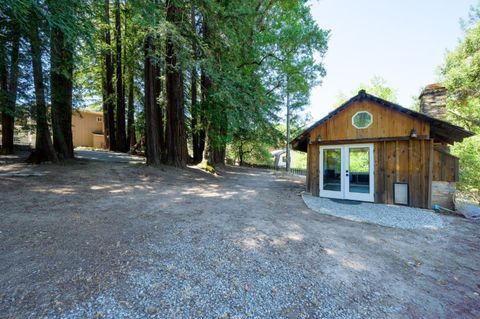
x: 116, y: 240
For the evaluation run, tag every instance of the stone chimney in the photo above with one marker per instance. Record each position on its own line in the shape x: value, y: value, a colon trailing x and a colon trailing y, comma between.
x: 433, y: 101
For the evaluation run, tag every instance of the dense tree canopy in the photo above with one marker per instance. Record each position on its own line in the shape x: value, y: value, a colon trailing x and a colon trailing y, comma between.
x: 186, y: 79
x: 461, y: 74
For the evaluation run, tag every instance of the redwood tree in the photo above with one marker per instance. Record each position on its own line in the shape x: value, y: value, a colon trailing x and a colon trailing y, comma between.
x: 3, y: 87
x: 10, y: 88
x: 159, y: 87
x: 152, y: 129
x: 198, y: 132
x: 61, y: 82
x: 131, y: 137
x: 44, y: 150
x: 109, y: 93
x: 176, y: 139
x: 214, y: 147
x: 120, y: 133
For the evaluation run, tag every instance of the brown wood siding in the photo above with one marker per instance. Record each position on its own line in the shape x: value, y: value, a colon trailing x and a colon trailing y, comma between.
x: 397, y: 158
x: 380, y: 172
x: 403, y: 162
x: 386, y: 123
x: 313, y: 166
x: 445, y: 167
x: 395, y: 162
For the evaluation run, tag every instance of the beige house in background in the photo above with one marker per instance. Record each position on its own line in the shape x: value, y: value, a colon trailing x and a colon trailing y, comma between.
x: 87, y: 129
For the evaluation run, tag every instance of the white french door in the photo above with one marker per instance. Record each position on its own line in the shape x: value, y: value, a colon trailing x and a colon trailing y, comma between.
x: 346, y: 172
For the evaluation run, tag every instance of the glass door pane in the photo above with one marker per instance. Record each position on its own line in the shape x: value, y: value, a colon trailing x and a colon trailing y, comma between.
x: 332, y: 169
x: 359, y: 170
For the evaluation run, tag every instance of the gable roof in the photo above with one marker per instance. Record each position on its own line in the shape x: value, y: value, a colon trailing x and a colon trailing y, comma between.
x: 438, y: 128
x: 86, y: 111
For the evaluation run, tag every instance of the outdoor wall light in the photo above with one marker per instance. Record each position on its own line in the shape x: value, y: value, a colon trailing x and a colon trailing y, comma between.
x: 413, y: 133
x: 319, y: 139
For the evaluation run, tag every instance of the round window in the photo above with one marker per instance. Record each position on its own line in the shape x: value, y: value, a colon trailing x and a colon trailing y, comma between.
x: 362, y: 119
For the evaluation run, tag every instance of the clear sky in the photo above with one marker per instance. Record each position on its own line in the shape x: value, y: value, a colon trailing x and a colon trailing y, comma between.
x: 402, y: 41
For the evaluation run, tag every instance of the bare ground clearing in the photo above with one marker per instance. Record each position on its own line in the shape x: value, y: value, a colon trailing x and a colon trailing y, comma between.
x: 113, y: 240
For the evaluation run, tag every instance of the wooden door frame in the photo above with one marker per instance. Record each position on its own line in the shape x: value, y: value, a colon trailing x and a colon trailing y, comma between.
x: 344, y: 182
x: 370, y: 197
x: 326, y: 193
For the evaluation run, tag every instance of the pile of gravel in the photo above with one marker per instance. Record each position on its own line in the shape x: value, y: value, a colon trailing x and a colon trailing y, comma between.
x: 381, y: 214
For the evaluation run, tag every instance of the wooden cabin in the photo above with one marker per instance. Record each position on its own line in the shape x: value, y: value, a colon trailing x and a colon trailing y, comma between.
x: 372, y: 150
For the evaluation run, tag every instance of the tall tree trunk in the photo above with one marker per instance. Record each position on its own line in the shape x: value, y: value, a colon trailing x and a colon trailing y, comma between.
x: 207, y: 149
x: 221, y: 130
x: 112, y: 142
x: 3, y: 81
x: 160, y: 110
x: 8, y: 116
x: 3, y: 89
x: 202, y: 136
x: 61, y: 83
x: 176, y: 139
x: 206, y: 84
x: 105, y: 109
x: 196, y: 126
x: 240, y: 154
x: 152, y: 130
x: 206, y: 87
x: 44, y: 150
x: 287, y: 165
x: 132, y: 140
x: 129, y: 68
x: 120, y: 128
x: 217, y: 156
x: 214, y: 151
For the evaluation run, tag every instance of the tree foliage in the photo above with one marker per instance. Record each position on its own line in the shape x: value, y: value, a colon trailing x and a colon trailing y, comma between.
x: 377, y: 86
x: 460, y: 75
x: 189, y: 76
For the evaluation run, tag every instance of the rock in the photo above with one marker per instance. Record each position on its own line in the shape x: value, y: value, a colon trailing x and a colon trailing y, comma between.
x: 467, y: 205
x: 151, y: 310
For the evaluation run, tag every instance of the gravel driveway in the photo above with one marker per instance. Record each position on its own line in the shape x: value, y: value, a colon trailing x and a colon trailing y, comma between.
x: 386, y: 215
x: 112, y: 157
x: 111, y: 240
